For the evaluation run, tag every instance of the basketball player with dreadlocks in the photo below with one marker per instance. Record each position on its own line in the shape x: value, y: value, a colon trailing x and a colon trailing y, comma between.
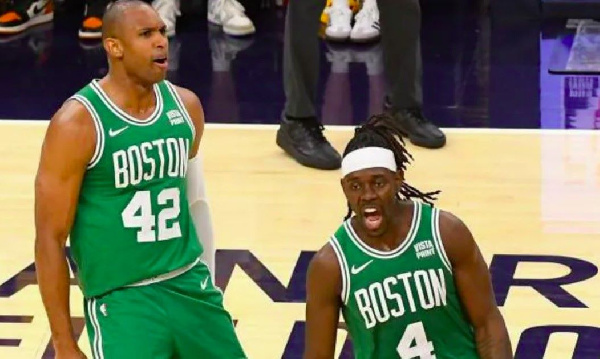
x: 409, y: 278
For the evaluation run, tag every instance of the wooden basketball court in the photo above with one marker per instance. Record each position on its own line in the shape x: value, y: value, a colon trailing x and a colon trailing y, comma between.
x: 531, y: 198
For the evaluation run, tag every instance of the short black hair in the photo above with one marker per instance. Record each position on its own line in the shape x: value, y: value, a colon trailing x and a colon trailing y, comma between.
x: 381, y: 131
x: 114, y: 14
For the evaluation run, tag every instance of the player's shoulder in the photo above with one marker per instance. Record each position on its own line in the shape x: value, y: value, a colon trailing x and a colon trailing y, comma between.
x: 192, y: 104
x: 324, y: 272
x: 188, y: 96
x: 325, y: 259
x: 455, y: 235
x: 73, y: 115
x: 71, y: 134
x: 450, y: 222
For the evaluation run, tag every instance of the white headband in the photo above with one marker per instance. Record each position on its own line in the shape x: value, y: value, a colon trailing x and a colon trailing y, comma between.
x: 368, y: 157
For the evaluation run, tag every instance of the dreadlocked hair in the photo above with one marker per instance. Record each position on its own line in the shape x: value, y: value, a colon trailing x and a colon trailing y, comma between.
x: 381, y: 131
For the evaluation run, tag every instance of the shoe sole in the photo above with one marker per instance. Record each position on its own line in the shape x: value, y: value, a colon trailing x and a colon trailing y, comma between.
x: 212, y: 19
x: 420, y: 141
x: 282, y: 140
x: 89, y: 35
x: 239, y: 32
x: 334, y: 38
x: 38, y: 20
x: 365, y: 40
x: 84, y: 35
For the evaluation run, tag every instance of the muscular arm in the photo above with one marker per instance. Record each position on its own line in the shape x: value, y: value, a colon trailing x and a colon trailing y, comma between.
x: 68, y: 146
x: 323, y: 288
x: 196, y: 189
x: 474, y: 287
x: 196, y: 112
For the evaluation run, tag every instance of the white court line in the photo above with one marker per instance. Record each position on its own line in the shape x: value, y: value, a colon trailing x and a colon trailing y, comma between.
x: 340, y: 128
x: 344, y: 128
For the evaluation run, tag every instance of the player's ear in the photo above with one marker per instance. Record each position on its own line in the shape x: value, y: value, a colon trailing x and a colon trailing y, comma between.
x: 113, y: 47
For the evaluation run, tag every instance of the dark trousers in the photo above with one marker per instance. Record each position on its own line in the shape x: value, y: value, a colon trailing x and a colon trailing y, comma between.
x: 400, y: 22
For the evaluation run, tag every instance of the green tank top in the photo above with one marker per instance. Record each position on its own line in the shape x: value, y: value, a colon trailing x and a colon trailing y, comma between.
x: 132, y: 221
x: 402, y: 303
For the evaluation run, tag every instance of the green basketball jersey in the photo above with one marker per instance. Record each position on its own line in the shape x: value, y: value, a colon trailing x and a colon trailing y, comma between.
x: 132, y: 221
x: 402, y: 303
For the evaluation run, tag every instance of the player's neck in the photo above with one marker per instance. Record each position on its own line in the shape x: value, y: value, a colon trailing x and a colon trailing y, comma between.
x: 133, y: 97
x: 398, y: 229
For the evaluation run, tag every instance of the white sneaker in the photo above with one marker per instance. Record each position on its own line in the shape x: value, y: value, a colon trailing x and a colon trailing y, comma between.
x: 231, y: 15
x: 366, y: 26
x: 168, y: 10
x: 338, y: 28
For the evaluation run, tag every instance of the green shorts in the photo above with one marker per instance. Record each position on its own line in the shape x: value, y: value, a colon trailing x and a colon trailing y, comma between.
x: 179, y: 318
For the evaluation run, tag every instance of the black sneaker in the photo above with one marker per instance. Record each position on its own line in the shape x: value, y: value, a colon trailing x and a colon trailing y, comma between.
x: 18, y: 15
x: 304, y: 141
x: 91, y: 27
x: 413, y: 124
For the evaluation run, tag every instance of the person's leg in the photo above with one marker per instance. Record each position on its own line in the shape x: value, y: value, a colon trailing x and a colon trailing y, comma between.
x: 400, y: 31
x: 201, y: 326
x: 114, y: 325
x: 301, y: 134
x: 301, y: 57
x: 400, y: 36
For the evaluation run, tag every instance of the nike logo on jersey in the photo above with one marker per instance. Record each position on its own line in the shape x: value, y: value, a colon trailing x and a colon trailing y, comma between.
x: 356, y: 270
x: 113, y: 133
x: 204, y: 283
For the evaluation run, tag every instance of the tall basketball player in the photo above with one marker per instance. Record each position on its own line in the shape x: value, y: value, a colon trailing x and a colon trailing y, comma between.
x: 409, y: 279
x: 119, y: 173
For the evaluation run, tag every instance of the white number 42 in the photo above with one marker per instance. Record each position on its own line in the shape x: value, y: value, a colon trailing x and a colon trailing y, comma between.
x: 138, y: 214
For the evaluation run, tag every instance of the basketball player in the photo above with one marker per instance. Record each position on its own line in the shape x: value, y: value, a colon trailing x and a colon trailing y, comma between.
x: 119, y: 173
x: 409, y: 279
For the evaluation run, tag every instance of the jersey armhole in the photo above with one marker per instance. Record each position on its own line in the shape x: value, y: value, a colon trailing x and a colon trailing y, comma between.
x: 437, y: 238
x: 343, y: 268
x: 182, y: 107
x: 99, y: 148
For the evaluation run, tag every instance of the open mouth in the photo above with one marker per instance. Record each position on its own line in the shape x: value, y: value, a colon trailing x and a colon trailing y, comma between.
x: 372, y: 218
x: 161, y: 61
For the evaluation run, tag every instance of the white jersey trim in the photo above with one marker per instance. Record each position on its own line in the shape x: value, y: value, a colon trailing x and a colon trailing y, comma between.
x: 337, y: 249
x: 100, y: 138
x: 414, y: 228
x: 437, y: 238
x: 181, y: 105
x: 97, y: 349
x: 156, y: 114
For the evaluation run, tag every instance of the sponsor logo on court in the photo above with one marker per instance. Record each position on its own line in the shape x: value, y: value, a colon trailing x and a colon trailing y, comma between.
x: 531, y: 342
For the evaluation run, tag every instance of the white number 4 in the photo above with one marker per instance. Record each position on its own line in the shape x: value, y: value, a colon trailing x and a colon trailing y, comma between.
x: 422, y: 348
x: 138, y: 214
